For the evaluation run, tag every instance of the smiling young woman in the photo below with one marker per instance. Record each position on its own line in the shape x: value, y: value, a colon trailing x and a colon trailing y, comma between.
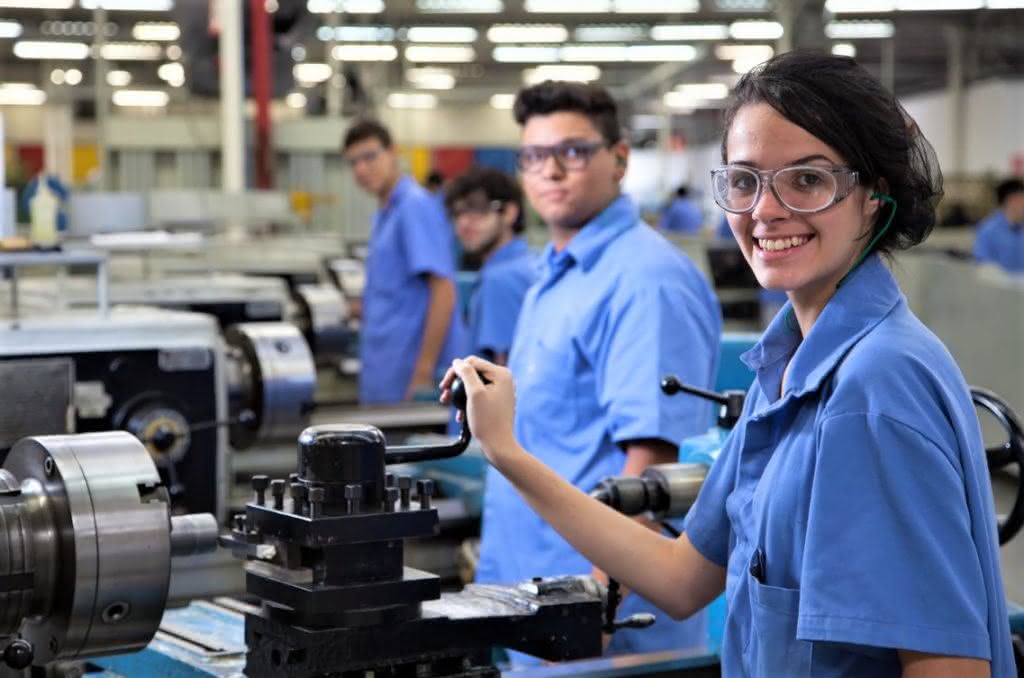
x: 850, y: 514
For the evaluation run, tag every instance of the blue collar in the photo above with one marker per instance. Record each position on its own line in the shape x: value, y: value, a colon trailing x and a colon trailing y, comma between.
x: 586, y: 246
x: 867, y: 296
x: 513, y: 249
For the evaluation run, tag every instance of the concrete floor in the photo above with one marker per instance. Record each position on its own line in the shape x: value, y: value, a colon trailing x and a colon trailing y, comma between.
x: 1005, y: 487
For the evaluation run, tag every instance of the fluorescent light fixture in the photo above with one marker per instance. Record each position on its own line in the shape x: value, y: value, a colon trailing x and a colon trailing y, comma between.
x: 17, y: 94
x: 119, y: 78
x: 859, y: 30
x: 610, y: 33
x: 411, y: 100
x: 931, y: 5
x: 443, y: 54
x: 744, y: 52
x: 42, y: 49
x: 656, y: 6
x: 73, y: 77
x: 531, y: 33
x: 859, y: 6
x: 1005, y: 4
x: 57, y: 76
x: 145, y: 98
x: 755, y: 30
x: 703, y: 90
x: 356, y: 33
x: 503, y: 101
x: 129, y: 5
x: 132, y: 51
x: 36, y: 4
x: 568, y: 7
x: 10, y: 29
x: 349, y: 6
x: 690, y: 32
x: 163, y: 31
x: 742, y: 5
x: 295, y: 100
x: 430, y: 78
x: 598, y: 53
x: 532, y: 76
x: 847, y: 49
x: 741, y: 66
x: 173, y: 52
x: 663, y: 53
x: 172, y: 73
x: 312, y: 73
x: 705, y: 95
x: 441, y: 34
x: 524, y: 55
x: 461, y: 6
x: 365, y: 52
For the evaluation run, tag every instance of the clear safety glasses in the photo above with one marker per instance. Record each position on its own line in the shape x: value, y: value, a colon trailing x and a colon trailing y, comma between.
x: 800, y: 188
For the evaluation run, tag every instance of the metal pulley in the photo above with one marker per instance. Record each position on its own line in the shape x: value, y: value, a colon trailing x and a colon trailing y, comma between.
x: 271, y: 381
x: 322, y: 318
x: 86, y: 547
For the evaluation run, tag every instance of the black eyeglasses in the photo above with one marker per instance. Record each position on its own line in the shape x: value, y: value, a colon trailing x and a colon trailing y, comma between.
x: 799, y: 188
x: 570, y: 155
x: 475, y: 209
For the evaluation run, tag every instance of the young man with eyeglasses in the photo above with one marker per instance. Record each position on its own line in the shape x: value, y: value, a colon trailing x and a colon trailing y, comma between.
x: 616, y: 308
x: 409, y: 322
x: 486, y: 207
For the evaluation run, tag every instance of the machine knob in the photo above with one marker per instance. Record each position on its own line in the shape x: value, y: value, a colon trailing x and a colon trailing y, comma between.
x: 19, y: 654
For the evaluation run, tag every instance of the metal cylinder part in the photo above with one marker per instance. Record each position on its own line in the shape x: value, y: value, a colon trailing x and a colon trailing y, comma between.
x: 322, y: 318
x: 88, y: 526
x: 273, y: 379
x: 681, y: 483
x: 193, y: 534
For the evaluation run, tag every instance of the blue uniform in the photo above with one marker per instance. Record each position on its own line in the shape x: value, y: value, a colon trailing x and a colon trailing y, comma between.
x: 854, y: 513
x: 1000, y: 242
x: 495, y: 302
x: 611, y: 314
x: 410, y: 238
x: 682, y: 216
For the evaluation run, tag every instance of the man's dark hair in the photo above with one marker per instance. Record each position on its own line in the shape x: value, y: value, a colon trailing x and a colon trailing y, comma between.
x: 1007, y: 188
x: 682, y: 191
x: 366, y: 129
x: 843, y: 105
x: 588, y: 99
x: 494, y: 184
x: 435, y: 179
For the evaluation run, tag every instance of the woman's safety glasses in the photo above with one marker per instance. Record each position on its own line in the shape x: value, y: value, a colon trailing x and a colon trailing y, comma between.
x: 799, y: 188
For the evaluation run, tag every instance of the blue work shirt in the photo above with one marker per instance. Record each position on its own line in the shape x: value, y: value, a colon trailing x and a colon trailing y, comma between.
x: 682, y: 216
x: 612, y: 313
x: 1000, y: 242
x: 410, y: 239
x: 854, y: 513
x: 495, y: 302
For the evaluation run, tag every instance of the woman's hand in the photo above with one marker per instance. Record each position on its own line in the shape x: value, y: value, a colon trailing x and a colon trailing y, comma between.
x: 490, y: 407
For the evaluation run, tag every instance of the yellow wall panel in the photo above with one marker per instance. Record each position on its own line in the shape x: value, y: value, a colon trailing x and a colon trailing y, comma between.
x: 84, y: 159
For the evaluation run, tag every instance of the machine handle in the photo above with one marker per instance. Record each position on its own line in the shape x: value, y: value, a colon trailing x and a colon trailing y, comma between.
x: 1010, y: 452
x: 731, y: 401
x: 405, y: 454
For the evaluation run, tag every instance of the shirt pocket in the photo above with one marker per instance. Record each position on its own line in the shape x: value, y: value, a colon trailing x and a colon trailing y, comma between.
x: 546, y: 390
x: 772, y: 648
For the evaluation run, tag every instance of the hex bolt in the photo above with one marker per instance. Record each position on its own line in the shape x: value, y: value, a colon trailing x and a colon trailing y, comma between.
x: 404, y: 490
x: 390, y: 497
x: 277, y: 489
x: 316, y: 502
x: 353, y: 498
x: 425, y: 490
x: 389, y: 480
x: 298, y: 494
x: 259, y: 486
x: 240, y: 522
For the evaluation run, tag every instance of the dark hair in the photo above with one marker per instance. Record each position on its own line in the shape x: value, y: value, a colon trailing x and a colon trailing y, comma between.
x: 494, y: 184
x: 435, y: 179
x: 1007, y: 188
x: 839, y: 102
x: 366, y: 129
x: 589, y: 99
x: 682, y: 191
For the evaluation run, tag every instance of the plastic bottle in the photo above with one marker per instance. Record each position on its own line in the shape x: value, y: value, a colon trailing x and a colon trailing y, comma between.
x: 43, y: 211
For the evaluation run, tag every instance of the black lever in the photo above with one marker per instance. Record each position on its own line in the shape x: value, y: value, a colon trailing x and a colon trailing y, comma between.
x: 1012, y: 451
x: 404, y: 454
x: 731, y: 400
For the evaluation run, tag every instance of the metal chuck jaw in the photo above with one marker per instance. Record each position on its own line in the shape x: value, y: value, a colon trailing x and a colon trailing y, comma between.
x: 87, y: 543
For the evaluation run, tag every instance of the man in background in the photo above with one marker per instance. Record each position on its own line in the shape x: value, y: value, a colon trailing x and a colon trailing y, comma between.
x: 486, y: 206
x: 409, y: 320
x: 1000, y: 237
x: 682, y: 215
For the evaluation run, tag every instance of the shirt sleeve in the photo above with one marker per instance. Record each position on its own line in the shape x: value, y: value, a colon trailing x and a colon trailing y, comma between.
x: 890, y: 560
x: 707, y: 522
x: 658, y: 327
x: 426, y: 238
x: 500, y: 302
